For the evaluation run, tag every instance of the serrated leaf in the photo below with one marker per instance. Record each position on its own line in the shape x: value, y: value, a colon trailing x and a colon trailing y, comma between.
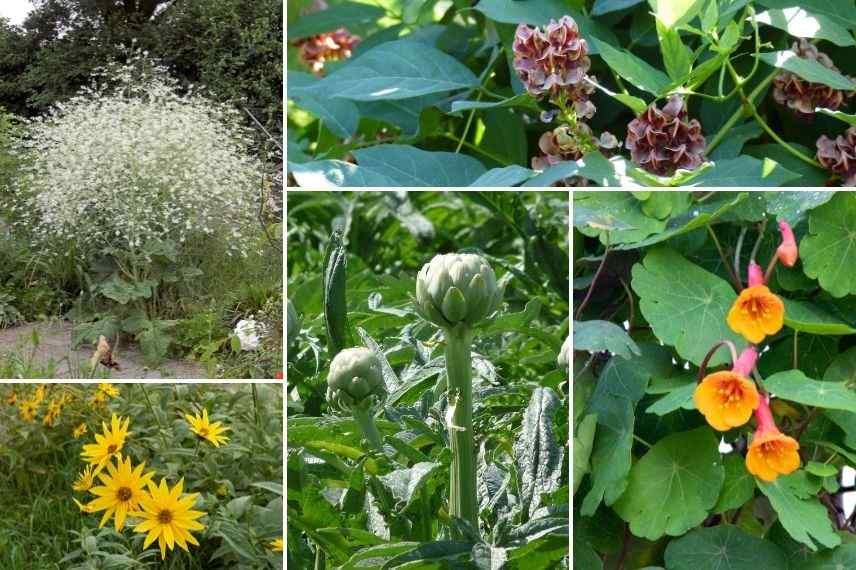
x: 539, y: 456
x: 828, y: 252
x: 673, y: 487
x: 599, y: 336
x: 405, y: 484
x: 795, y: 386
x: 724, y: 547
x: 800, y: 512
x: 685, y: 304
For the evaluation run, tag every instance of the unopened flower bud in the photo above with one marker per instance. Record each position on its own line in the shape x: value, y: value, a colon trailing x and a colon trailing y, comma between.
x: 756, y: 274
x: 457, y: 289
x: 355, y: 380
x: 787, y: 252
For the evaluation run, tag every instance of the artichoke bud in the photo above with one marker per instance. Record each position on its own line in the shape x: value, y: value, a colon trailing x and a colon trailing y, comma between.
x: 457, y: 289
x: 355, y: 380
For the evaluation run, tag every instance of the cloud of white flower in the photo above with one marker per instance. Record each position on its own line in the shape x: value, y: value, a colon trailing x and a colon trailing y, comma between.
x: 15, y: 10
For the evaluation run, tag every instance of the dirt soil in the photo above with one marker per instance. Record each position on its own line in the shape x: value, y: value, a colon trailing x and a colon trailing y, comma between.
x: 55, y: 345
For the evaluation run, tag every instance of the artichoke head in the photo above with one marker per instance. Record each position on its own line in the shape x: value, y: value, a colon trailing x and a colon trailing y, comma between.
x: 457, y: 289
x: 355, y: 380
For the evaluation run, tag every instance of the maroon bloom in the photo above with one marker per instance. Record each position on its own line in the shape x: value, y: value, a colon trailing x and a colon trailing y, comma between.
x: 563, y: 144
x: 554, y: 62
x: 316, y: 50
x: 663, y: 141
x: 839, y: 155
x: 802, y: 96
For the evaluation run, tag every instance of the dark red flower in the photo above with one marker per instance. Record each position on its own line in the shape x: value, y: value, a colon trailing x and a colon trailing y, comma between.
x: 554, y: 61
x: 839, y: 155
x: 663, y: 141
x: 316, y: 50
x: 804, y: 96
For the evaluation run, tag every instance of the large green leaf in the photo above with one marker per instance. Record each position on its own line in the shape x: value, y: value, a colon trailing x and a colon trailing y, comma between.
x: 739, y: 485
x: 599, y: 336
x: 606, y: 6
x: 723, y: 547
x: 339, y: 115
x: 636, y: 71
x: 805, y: 317
x: 795, y: 386
x: 803, y: 24
x: 539, y: 455
x: 799, y: 510
x: 397, y: 70
x: 675, y: 12
x: 829, y: 250
x: 807, y: 69
x: 842, y: 12
x: 411, y: 166
x: 842, y: 558
x: 320, y: 174
x: 685, y: 305
x: 611, y: 457
x: 794, y: 206
x: 745, y: 171
x: 618, y: 214
x: 352, y: 15
x: 583, y: 443
x: 673, y: 487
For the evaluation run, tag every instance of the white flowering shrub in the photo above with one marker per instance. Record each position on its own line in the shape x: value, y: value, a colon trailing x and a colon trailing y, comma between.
x: 132, y: 162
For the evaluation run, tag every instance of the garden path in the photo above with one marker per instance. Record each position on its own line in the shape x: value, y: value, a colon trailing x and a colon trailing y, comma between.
x: 55, y: 345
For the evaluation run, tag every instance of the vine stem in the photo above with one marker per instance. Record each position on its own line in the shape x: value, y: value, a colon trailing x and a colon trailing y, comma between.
x: 459, y: 422
x: 593, y: 281
x: 702, y: 369
x: 734, y: 278
x: 366, y: 422
x: 724, y: 130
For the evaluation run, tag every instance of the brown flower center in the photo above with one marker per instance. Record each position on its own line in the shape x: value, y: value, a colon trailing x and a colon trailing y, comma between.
x: 165, y: 516
x: 124, y: 494
x: 111, y: 449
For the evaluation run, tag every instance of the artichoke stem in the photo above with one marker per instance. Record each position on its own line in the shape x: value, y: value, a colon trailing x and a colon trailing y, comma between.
x: 365, y: 420
x: 462, y: 490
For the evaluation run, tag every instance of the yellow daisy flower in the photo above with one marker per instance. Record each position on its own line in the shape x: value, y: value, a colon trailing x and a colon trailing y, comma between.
x: 207, y: 430
x: 168, y: 517
x: 97, y: 400
x: 85, y: 480
x: 107, y: 444
x: 79, y: 431
x: 27, y: 410
x: 108, y: 390
x: 83, y: 508
x: 39, y: 394
x: 122, y: 491
x: 12, y: 398
x: 276, y: 545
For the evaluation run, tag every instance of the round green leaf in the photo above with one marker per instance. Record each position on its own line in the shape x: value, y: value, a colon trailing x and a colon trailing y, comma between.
x: 723, y: 547
x: 829, y: 250
x: 795, y: 386
x: 805, y: 317
x: 674, y: 486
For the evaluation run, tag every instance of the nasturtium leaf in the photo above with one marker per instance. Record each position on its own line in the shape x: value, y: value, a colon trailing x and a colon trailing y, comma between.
x: 723, y: 547
x: 685, y: 304
x: 842, y: 558
x: 410, y: 166
x: 611, y: 455
x: 538, y: 453
x: 397, y: 70
x: 821, y: 469
x: 583, y: 443
x: 739, y: 485
x: 617, y: 214
x: 803, y: 24
x: 828, y: 252
x: 806, y: 317
x: 599, y: 336
x: 679, y: 398
x: 795, y: 386
x: 673, y: 487
x: 633, y: 69
x: 745, y: 171
x: 794, y: 206
x: 800, y: 512
x: 349, y: 14
x: 807, y: 69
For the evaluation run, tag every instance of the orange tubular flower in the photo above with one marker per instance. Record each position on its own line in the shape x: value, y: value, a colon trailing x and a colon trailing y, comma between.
x: 787, y: 252
x: 771, y: 452
x: 757, y: 312
x: 727, y: 398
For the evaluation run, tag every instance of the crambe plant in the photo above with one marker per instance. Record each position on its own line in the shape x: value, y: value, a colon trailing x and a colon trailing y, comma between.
x: 713, y: 375
x: 131, y: 163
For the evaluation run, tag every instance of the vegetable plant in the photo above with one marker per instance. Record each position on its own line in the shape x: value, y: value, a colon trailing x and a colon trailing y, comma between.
x: 428, y: 418
x: 713, y: 375
x: 571, y: 92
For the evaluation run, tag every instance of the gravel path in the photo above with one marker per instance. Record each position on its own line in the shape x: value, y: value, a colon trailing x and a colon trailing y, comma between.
x: 55, y: 345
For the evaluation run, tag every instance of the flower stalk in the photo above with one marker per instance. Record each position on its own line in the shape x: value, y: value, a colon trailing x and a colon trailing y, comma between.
x: 459, y: 419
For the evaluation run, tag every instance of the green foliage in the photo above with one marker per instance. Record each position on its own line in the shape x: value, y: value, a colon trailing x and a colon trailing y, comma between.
x: 662, y: 269
x: 353, y: 261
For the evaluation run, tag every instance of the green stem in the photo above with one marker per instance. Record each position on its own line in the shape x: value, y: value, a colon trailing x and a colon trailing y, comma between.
x: 320, y: 559
x: 368, y: 428
x: 157, y: 417
x: 459, y: 418
x: 724, y: 130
